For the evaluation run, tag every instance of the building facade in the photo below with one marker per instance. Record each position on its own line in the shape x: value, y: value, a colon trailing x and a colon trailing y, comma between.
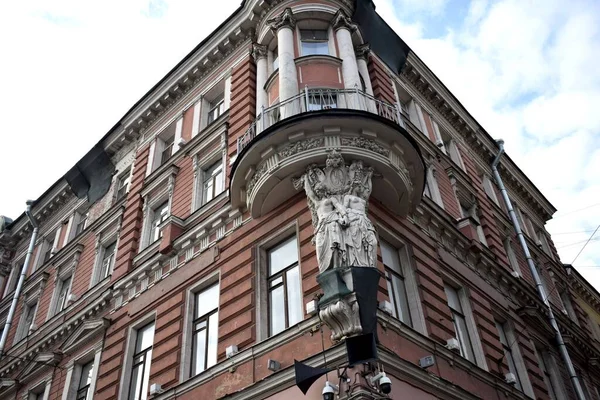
x: 186, y: 267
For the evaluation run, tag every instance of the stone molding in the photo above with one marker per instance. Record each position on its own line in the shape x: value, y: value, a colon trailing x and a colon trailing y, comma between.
x: 259, y: 51
x: 284, y: 20
x: 363, y: 51
x: 342, y: 21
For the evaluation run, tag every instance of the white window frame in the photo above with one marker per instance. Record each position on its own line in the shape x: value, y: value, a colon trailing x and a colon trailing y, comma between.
x: 12, y: 278
x: 432, y: 185
x: 38, y: 388
x: 74, y: 369
x: 151, y: 206
x: 489, y: 190
x: 22, y: 330
x: 186, y: 354
x: 512, y: 346
x: 324, y: 42
x: 201, y: 165
x: 262, y: 309
x: 101, y: 246
x: 59, y: 282
x: 511, y: 255
x: 212, y: 173
x: 125, y: 178
x: 473, y: 212
x: 568, y: 309
x: 472, y: 330
x: 410, y: 277
x: 129, y: 352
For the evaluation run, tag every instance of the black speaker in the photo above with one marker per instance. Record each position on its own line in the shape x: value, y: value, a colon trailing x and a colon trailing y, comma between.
x: 361, y: 349
x: 307, y: 375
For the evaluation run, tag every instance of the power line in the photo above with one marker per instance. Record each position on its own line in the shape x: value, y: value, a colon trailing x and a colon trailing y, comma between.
x: 598, y: 227
x: 576, y: 243
x: 570, y: 233
x: 574, y: 211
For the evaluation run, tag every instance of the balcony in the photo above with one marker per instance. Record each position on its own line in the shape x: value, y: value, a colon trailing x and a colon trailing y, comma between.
x: 288, y: 136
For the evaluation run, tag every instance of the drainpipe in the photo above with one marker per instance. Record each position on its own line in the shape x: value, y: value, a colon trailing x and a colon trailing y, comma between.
x: 536, y: 278
x: 13, y: 305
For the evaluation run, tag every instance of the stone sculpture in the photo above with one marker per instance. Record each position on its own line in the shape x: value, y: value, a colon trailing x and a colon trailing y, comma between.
x: 338, y: 196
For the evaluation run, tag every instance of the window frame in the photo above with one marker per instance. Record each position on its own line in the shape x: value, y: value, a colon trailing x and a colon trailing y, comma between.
x: 550, y: 374
x: 65, y: 273
x: 206, y: 317
x: 22, y: 330
x: 215, y: 174
x: 262, y: 309
x: 75, y: 369
x: 123, y: 184
x: 40, y: 388
x: 201, y: 165
x: 488, y: 188
x: 433, y: 187
x: 472, y: 329
x: 510, y: 346
x: 216, y: 108
x: 391, y: 273
x: 156, y: 224
x: 314, y: 40
x: 130, y: 346
x: 513, y: 261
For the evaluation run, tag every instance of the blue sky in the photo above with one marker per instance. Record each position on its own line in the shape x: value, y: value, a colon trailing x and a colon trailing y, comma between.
x: 525, y: 69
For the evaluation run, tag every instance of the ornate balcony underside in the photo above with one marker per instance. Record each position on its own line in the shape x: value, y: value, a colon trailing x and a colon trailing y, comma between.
x: 261, y: 177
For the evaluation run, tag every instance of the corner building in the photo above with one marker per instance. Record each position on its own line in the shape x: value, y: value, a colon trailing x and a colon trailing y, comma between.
x: 182, y: 260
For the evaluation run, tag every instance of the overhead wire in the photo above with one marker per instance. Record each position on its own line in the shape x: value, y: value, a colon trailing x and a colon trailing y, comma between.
x: 586, y: 243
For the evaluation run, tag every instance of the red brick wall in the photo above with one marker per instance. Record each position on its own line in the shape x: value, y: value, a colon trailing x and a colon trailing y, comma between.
x: 381, y: 82
x: 243, y: 102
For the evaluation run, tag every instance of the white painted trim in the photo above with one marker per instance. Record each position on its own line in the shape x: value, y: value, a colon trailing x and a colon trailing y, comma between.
x: 69, y: 230
x: 227, y: 93
x: 150, y: 159
x: 196, y: 118
x: 178, y: 131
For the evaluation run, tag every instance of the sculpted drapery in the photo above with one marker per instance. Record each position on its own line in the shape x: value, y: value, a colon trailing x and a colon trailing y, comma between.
x: 337, y: 197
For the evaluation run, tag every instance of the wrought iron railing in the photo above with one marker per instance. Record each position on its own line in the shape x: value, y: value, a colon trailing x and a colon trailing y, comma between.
x: 316, y: 100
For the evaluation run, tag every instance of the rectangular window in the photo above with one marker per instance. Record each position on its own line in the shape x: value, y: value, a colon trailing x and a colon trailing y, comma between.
x: 395, y: 283
x: 321, y: 99
x: 512, y: 258
x: 460, y: 323
x: 159, y: 215
x: 508, y: 344
x: 85, y: 381
x: 215, y: 109
x: 314, y: 42
x: 122, y: 185
x: 167, y: 150
x: 212, y: 184
x: 64, y: 287
x: 81, y: 223
x: 108, y: 258
x: 142, y: 357
x: 549, y: 375
x: 488, y: 187
x: 27, y: 320
x: 284, y: 286
x: 47, y: 246
x: 205, y: 329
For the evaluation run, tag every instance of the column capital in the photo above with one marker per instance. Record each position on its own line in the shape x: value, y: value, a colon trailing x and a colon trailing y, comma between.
x: 342, y: 21
x: 285, y: 20
x: 362, y: 51
x: 258, y: 51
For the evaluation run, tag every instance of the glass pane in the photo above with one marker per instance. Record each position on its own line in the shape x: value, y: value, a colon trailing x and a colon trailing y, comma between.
x: 276, y: 311
x: 145, y: 337
x: 453, y: 300
x: 208, y: 190
x: 401, y: 300
x: 276, y: 281
x: 135, y: 384
x: 501, y: 333
x: 213, y: 330
x: 199, y: 354
x: 218, y: 182
x: 144, y: 392
x: 464, y: 338
x: 86, y: 374
x: 207, y: 301
x: 294, y: 296
x: 313, y: 34
x: 390, y: 289
x: 283, y: 255
x: 310, y: 48
x: 390, y: 257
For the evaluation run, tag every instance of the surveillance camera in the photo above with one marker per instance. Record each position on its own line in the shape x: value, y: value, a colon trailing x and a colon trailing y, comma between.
x: 385, y: 384
x: 329, y: 391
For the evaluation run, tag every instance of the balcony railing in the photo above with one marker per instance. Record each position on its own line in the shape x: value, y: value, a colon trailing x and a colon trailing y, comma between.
x: 316, y: 100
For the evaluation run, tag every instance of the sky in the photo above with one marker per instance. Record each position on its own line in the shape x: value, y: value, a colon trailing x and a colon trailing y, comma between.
x: 527, y: 70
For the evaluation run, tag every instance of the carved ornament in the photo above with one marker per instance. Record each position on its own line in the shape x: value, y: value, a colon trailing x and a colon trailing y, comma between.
x: 342, y: 21
x: 285, y: 20
x: 364, y: 143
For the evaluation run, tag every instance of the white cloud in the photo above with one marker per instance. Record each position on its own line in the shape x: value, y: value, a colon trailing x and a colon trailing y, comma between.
x: 527, y: 70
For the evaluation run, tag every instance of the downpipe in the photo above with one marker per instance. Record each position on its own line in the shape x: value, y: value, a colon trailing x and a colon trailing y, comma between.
x: 22, y: 275
x: 564, y: 353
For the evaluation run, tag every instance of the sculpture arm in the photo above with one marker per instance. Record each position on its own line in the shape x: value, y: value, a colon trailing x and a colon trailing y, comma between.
x: 309, y: 191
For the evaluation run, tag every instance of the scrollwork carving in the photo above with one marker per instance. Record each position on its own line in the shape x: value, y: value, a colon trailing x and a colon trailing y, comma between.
x: 300, y: 146
x: 364, y: 143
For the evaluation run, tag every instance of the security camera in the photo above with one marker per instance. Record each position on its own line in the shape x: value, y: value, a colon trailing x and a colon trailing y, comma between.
x: 385, y: 384
x: 329, y: 391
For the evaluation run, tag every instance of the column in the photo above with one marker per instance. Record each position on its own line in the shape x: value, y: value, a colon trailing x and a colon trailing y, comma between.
x: 259, y: 52
x: 344, y: 27
x: 288, y: 77
x: 362, y: 55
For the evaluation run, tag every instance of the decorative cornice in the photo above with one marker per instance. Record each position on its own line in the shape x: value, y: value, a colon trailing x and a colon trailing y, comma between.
x: 284, y: 20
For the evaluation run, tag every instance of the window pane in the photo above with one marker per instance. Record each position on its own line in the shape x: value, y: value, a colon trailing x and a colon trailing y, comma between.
x: 294, y: 296
x: 277, y: 310
x: 136, y: 383
x: 146, y: 374
x: 213, y: 329
x: 390, y: 289
x: 283, y: 256
x: 314, y: 48
x: 512, y: 367
x: 464, y: 338
x: 86, y: 374
x: 313, y: 34
x: 390, y: 257
x: 453, y: 300
x: 401, y: 299
x: 207, y: 301
x: 145, y: 338
x: 199, y: 354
